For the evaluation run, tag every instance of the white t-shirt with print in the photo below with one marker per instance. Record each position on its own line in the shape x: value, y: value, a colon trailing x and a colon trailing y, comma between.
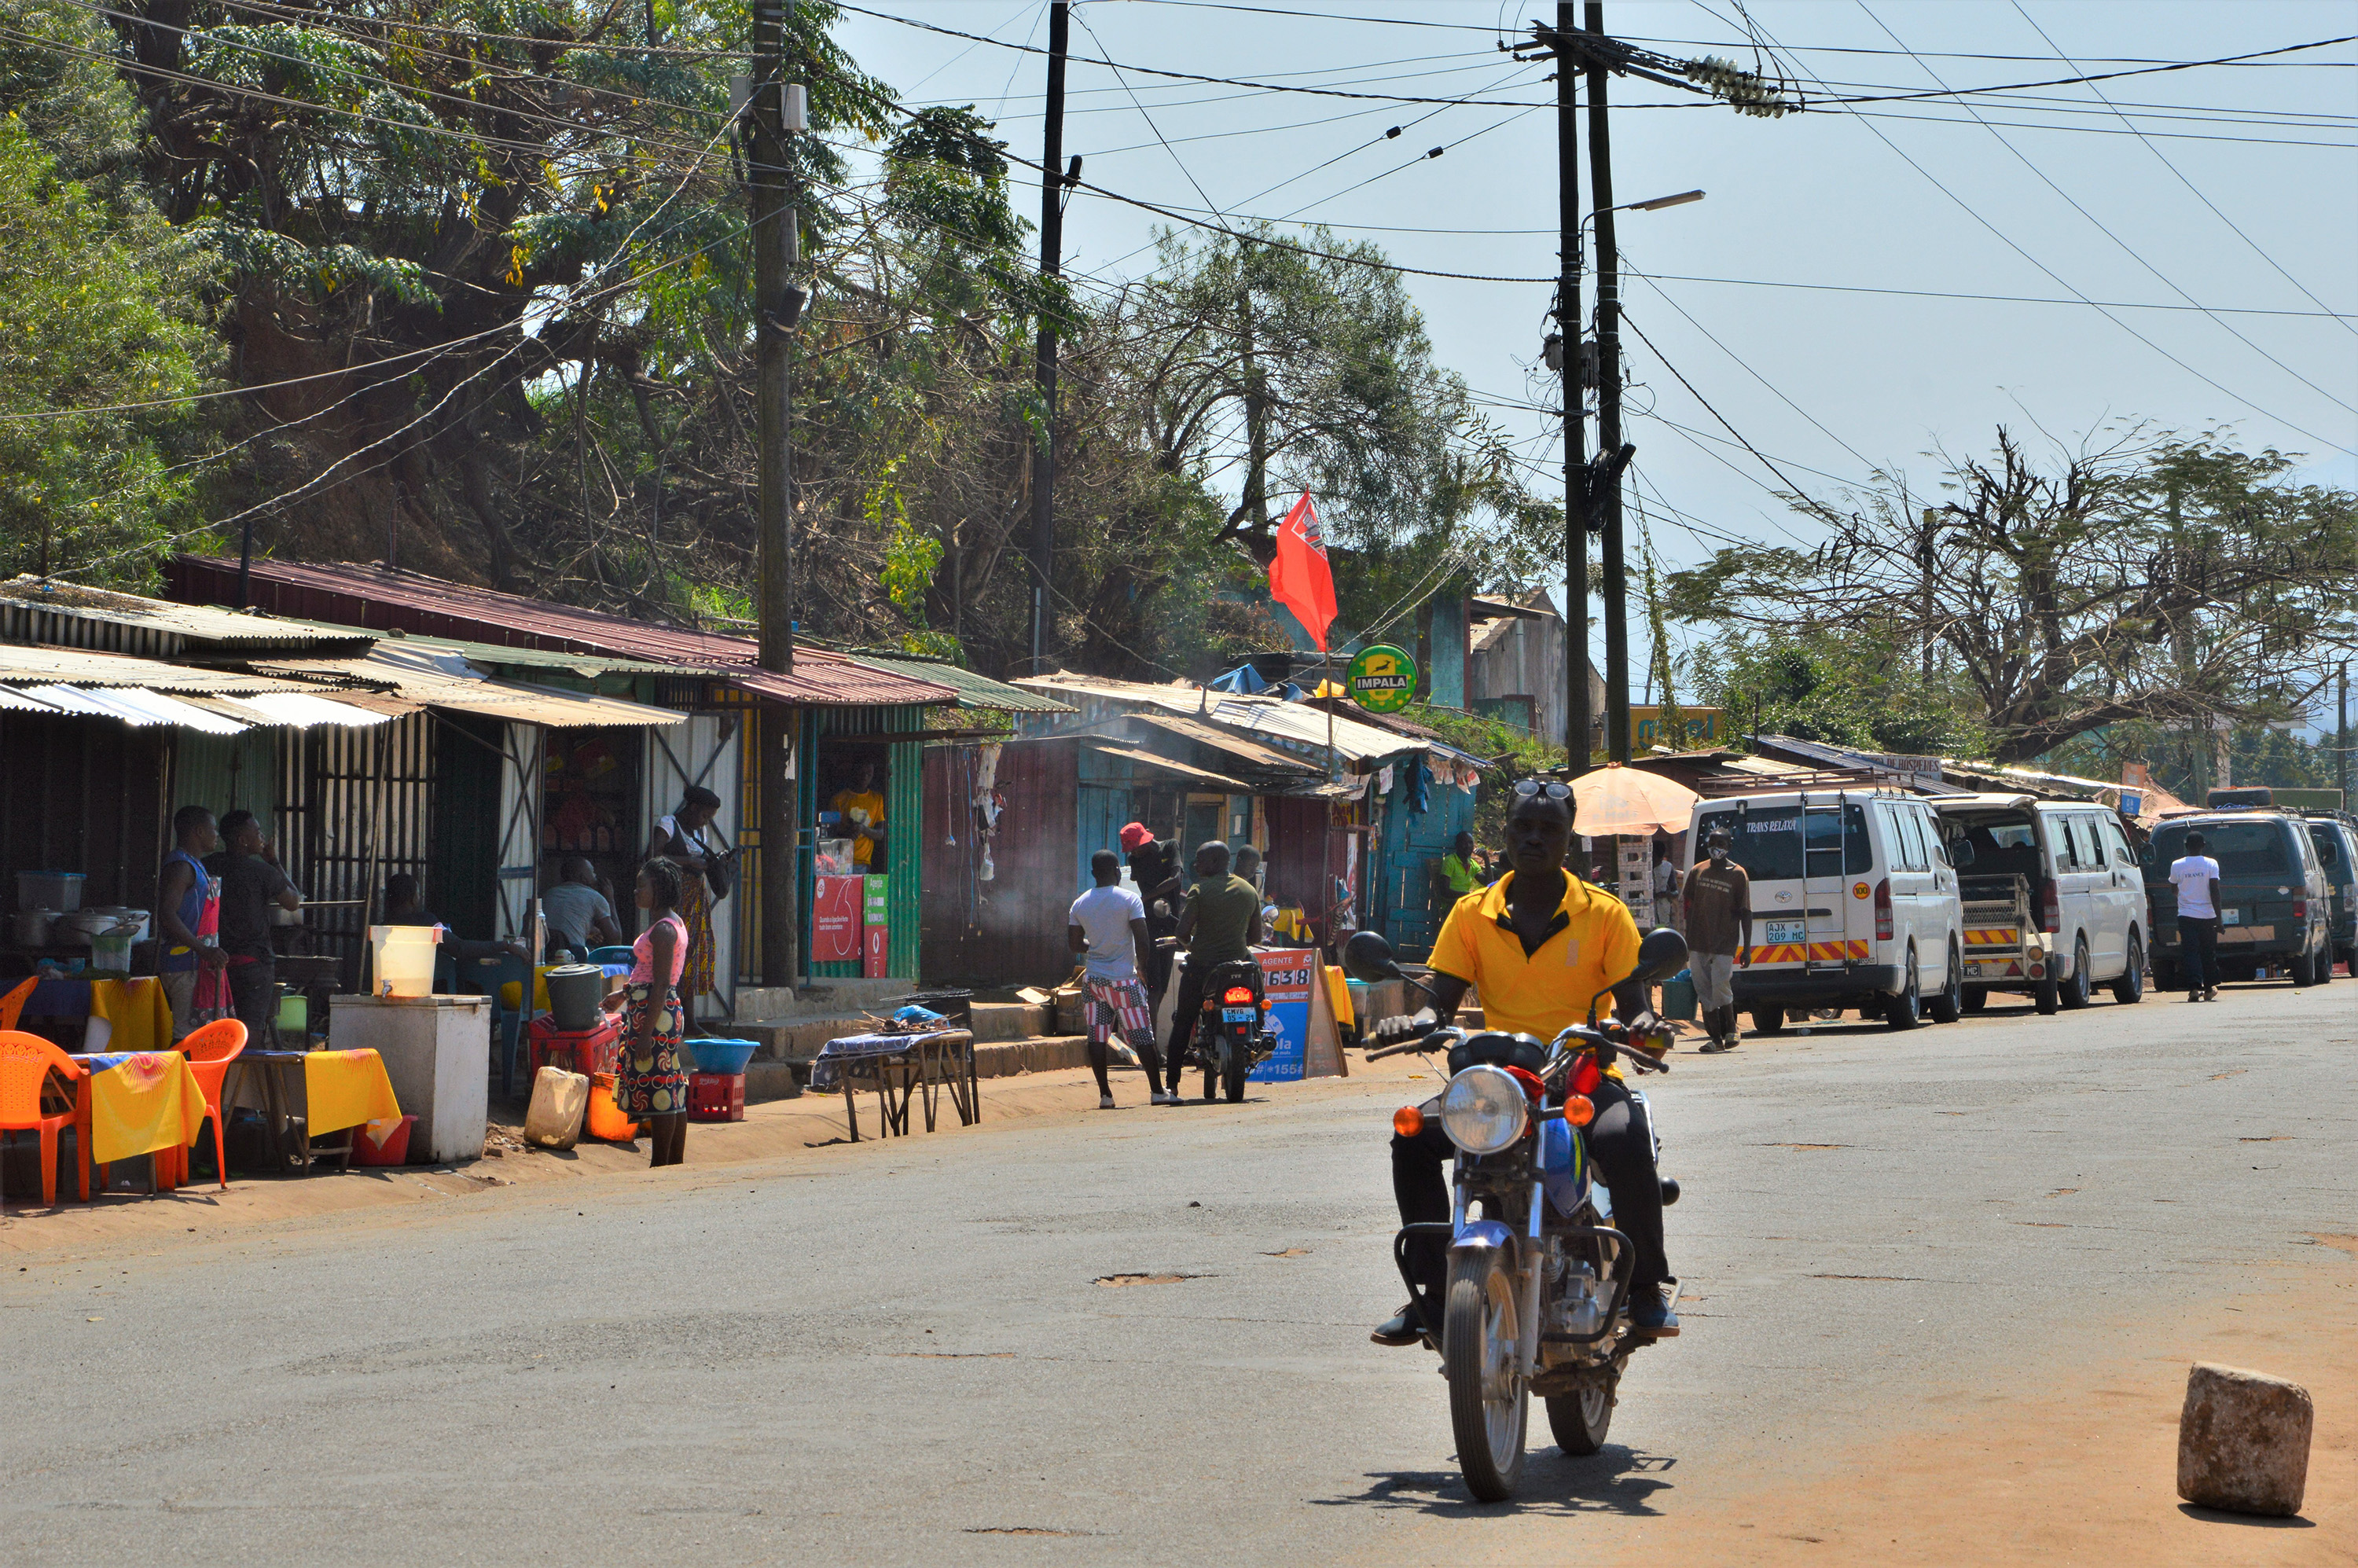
x: 2192, y: 877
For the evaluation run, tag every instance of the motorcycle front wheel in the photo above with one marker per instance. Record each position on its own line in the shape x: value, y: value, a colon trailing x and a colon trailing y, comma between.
x: 1580, y: 1421
x: 1488, y: 1402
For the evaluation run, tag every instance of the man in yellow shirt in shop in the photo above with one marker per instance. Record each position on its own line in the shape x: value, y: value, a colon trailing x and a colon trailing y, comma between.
x: 1537, y: 944
x: 867, y: 832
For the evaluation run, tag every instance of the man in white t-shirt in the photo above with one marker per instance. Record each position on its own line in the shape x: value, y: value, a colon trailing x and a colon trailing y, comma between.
x: 2195, y: 875
x: 1108, y: 929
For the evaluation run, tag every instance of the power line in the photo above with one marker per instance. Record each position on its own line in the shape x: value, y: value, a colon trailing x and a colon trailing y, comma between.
x: 2190, y: 185
x: 2130, y: 250
x: 2004, y: 239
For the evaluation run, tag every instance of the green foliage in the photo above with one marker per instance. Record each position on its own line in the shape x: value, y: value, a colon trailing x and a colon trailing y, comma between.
x: 96, y: 311
x: 1518, y: 753
x: 1858, y: 689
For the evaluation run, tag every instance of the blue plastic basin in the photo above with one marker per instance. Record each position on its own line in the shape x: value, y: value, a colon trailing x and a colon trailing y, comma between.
x: 724, y: 1056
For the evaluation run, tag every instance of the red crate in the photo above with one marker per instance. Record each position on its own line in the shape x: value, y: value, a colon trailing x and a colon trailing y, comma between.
x: 577, y: 1051
x: 716, y: 1097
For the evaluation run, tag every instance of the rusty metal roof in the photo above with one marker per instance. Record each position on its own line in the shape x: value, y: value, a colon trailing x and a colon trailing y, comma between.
x: 382, y: 599
x: 23, y: 664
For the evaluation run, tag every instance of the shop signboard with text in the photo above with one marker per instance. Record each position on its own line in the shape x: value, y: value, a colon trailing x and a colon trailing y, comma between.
x: 1286, y: 976
x: 835, y: 920
x: 875, y: 926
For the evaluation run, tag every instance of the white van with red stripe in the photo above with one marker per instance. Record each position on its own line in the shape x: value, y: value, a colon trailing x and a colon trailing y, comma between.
x: 1853, y: 905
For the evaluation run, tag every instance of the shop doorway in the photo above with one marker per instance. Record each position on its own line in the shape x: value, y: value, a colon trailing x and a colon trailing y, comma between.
x: 592, y: 810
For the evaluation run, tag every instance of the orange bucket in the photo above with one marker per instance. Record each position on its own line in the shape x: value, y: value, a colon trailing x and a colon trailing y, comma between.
x: 607, y: 1122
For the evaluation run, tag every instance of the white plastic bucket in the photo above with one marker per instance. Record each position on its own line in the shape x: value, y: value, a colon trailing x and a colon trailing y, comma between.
x: 401, y: 958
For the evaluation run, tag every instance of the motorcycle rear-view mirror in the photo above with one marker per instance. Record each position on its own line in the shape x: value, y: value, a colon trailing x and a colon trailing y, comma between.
x: 1660, y: 954
x: 1367, y: 956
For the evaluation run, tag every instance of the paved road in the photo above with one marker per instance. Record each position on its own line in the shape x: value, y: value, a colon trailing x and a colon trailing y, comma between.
x: 904, y: 1353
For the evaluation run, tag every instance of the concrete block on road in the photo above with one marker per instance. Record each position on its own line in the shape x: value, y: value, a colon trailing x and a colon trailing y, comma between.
x: 2243, y: 1440
x: 771, y: 1080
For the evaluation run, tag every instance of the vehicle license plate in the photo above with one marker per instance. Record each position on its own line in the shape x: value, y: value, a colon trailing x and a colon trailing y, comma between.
x: 1237, y: 1015
x: 1782, y: 932
x: 2231, y: 917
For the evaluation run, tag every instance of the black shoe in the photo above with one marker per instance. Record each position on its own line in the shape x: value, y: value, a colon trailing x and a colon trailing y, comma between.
x: 1403, y: 1327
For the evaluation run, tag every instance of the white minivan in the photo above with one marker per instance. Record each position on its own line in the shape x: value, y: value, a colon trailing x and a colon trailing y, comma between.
x: 1853, y: 905
x: 2055, y: 899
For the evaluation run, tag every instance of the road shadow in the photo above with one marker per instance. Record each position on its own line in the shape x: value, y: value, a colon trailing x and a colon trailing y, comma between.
x: 2253, y: 1521
x: 1616, y: 1479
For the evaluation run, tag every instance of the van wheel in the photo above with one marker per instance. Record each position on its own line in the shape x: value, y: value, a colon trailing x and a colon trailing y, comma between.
x: 2304, y: 970
x: 1768, y: 1021
x: 2076, y: 992
x: 1949, y: 1005
x: 1906, y: 1011
x: 1976, y: 999
x: 2129, y: 989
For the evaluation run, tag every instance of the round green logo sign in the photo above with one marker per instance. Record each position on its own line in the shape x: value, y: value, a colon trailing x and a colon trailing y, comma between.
x: 1381, y: 679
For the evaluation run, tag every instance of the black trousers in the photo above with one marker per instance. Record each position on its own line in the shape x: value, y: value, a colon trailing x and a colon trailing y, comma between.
x: 1188, y: 1013
x: 1622, y: 1148
x: 2198, y: 940
x: 254, y: 993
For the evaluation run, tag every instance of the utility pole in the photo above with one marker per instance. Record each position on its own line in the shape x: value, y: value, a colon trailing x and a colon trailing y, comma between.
x: 778, y: 304
x: 2342, y: 740
x: 1575, y: 431
x: 1606, y: 503
x: 1043, y: 365
x: 2181, y: 645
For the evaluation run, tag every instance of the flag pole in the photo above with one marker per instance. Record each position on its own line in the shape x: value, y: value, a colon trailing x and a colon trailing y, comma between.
x: 1326, y: 678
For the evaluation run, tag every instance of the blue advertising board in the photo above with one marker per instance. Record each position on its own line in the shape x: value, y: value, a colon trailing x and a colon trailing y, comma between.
x: 1286, y: 979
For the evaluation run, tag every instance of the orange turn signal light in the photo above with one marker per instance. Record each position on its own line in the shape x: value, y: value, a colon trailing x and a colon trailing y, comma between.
x: 1580, y: 1111
x: 1409, y: 1120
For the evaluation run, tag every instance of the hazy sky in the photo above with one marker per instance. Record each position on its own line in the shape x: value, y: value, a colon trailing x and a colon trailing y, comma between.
x: 1826, y: 382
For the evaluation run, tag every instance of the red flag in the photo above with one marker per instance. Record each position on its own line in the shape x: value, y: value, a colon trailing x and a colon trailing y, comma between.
x: 1299, y: 578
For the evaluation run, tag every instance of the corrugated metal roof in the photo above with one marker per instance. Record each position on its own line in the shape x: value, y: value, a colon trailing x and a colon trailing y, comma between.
x: 1227, y: 740
x: 436, y: 677
x: 1296, y: 727
x: 383, y: 598
x: 25, y: 665
x: 975, y: 691
x: 588, y: 666
x: 43, y: 610
x: 1165, y: 764
x: 134, y: 705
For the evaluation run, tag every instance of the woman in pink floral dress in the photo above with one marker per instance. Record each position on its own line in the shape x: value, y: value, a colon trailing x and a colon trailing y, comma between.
x: 652, y: 1084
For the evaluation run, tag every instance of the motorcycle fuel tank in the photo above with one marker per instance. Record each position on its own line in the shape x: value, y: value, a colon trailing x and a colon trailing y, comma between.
x: 1563, y: 1165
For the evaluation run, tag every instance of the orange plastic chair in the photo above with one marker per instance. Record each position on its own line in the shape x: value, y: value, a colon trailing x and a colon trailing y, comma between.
x: 26, y: 1063
x: 14, y: 1003
x: 211, y: 1048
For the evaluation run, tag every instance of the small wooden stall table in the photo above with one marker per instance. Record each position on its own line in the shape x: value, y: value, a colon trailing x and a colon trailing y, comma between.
x: 132, y: 1103
x: 342, y: 1091
x: 902, y: 1067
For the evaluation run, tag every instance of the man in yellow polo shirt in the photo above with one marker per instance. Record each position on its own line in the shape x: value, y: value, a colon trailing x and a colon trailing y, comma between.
x: 1537, y: 943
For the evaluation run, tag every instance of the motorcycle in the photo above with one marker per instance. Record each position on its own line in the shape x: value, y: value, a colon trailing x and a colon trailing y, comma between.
x: 1538, y: 1295
x: 1230, y: 1039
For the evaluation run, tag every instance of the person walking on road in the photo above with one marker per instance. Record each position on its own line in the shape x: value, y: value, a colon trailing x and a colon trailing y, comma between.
x: 1107, y: 928
x: 2195, y: 875
x: 1719, y: 937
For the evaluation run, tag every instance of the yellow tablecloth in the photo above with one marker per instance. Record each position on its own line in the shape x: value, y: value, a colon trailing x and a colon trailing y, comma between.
x: 141, y: 1103
x: 128, y: 1015
x: 346, y: 1088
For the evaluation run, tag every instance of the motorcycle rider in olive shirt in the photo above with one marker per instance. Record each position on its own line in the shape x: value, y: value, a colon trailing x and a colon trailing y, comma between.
x: 1220, y: 925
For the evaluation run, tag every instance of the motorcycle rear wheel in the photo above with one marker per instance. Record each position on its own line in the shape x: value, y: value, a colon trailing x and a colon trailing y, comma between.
x: 1581, y: 1420
x: 1490, y: 1404
x: 1232, y: 1079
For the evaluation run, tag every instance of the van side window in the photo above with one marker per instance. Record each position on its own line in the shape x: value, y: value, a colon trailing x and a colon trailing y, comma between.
x: 2075, y: 843
x: 2118, y: 842
x: 1908, y: 843
x: 2329, y: 846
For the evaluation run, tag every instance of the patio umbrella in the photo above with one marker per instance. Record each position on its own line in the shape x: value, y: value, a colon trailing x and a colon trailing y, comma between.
x: 1615, y: 800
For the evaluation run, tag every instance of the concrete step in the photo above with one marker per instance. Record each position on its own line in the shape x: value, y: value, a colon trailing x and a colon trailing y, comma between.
x: 997, y: 1020
x: 771, y: 1080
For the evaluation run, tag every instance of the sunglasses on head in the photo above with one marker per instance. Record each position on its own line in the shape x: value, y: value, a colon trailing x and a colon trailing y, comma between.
x: 1526, y: 789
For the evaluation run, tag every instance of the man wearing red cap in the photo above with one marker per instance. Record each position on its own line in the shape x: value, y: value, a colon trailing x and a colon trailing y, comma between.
x: 1154, y: 870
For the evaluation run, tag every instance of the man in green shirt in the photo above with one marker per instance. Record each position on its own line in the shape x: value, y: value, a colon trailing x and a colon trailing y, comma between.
x: 1220, y: 925
x: 1459, y: 867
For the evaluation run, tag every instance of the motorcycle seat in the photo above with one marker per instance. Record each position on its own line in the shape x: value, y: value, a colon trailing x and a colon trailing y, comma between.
x: 1498, y: 1048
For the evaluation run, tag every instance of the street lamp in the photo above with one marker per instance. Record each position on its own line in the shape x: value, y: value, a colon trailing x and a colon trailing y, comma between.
x: 1656, y: 205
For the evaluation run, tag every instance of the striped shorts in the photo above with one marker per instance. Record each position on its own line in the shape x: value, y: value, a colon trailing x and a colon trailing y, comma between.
x: 1119, y: 1005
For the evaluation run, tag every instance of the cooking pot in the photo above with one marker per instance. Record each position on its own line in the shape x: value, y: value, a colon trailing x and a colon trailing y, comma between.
x: 31, y: 926
x: 75, y: 930
x: 138, y: 917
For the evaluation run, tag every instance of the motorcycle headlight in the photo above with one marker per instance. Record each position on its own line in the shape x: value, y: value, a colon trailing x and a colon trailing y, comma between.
x: 1483, y: 1110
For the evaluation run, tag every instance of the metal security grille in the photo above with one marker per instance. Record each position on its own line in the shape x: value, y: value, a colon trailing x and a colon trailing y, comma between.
x: 354, y: 807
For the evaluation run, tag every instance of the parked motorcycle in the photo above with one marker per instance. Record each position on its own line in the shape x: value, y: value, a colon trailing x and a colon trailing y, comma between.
x: 1537, y: 1294
x: 1230, y: 1037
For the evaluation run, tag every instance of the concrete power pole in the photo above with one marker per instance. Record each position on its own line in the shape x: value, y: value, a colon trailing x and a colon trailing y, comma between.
x: 2342, y: 740
x: 1043, y: 365
x: 778, y: 306
x: 1575, y: 431
x: 1606, y: 506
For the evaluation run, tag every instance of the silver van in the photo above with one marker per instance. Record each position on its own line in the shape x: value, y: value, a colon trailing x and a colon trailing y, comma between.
x: 2054, y: 897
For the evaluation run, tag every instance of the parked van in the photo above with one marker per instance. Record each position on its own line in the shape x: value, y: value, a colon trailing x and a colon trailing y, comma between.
x: 2274, y: 904
x: 2054, y: 897
x: 1854, y: 904
x: 2335, y: 834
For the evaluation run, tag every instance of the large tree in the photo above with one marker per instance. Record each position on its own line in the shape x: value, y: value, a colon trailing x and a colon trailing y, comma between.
x: 2149, y: 578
